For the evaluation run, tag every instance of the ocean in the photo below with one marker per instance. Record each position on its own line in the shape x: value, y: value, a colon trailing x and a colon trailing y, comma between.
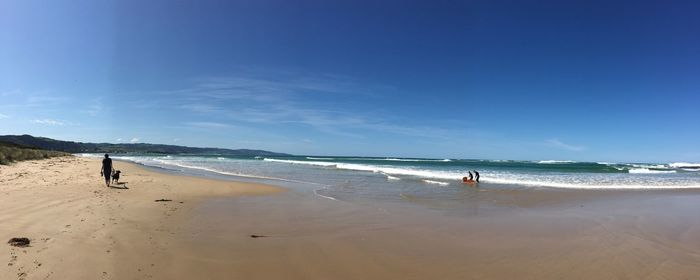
x: 400, y: 179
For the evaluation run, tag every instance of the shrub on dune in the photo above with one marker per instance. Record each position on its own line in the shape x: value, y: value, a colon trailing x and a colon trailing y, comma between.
x: 10, y: 153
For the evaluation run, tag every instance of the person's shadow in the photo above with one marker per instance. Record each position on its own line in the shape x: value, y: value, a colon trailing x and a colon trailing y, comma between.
x: 120, y: 185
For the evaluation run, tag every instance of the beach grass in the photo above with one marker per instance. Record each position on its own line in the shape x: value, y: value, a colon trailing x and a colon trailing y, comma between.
x: 10, y: 152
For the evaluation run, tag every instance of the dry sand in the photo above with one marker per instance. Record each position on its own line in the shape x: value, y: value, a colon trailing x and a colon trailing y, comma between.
x: 82, y: 230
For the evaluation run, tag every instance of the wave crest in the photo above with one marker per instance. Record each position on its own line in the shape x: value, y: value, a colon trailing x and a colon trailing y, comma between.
x: 555, y: 161
x: 649, y: 171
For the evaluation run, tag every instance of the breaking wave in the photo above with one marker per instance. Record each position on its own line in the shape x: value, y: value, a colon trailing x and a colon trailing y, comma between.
x: 555, y: 161
x: 566, y: 174
x: 557, y: 180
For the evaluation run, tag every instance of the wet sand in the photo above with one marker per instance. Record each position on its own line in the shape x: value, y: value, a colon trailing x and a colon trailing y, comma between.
x: 86, y: 231
x: 80, y: 229
x: 628, y: 236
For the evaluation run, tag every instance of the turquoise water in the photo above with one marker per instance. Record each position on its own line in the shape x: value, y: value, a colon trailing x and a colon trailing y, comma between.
x: 394, y: 172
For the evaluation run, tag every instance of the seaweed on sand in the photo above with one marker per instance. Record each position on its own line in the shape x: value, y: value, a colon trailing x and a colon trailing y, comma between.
x: 19, y: 242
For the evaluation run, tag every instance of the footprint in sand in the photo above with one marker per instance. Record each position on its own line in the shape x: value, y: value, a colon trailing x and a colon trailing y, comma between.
x: 13, y: 259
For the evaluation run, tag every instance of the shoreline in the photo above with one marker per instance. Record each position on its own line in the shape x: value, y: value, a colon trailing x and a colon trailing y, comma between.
x: 492, y: 183
x: 74, y: 221
x: 80, y: 229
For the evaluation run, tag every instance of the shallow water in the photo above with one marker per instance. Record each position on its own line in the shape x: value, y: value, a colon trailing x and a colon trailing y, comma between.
x: 430, y: 182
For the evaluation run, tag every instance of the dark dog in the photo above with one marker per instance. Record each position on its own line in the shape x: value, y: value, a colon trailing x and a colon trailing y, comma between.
x: 115, y: 176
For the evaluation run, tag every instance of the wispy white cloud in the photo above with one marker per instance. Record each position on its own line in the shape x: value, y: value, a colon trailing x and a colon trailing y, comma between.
x: 263, y: 86
x: 561, y: 145
x: 35, y: 100
x: 135, y: 140
x: 48, y: 122
x: 245, y: 94
x: 318, y: 101
x: 208, y: 125
x: 94, y: 107
x: 202, y: 108
x: 43, y: 100
x: 3, y: 116
x: 5, y: 93
x: 286, y: 108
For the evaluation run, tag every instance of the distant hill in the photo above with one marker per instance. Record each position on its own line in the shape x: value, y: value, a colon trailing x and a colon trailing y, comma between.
x: 78, y: 147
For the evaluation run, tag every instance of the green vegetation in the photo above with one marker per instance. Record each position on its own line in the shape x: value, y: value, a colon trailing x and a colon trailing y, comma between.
x: 78, y: 147
x: 10, y: 152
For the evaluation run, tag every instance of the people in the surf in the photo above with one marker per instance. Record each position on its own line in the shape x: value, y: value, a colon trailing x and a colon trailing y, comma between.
x: 472, y: 178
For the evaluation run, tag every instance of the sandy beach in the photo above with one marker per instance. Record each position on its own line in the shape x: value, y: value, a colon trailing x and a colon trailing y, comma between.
x: 79, y: 229
x: 350, y: 140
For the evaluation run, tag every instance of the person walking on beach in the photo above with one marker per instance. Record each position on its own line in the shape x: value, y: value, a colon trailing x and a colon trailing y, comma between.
x: 471, y: 177
x: 477, y: 175
x: 106, y: 169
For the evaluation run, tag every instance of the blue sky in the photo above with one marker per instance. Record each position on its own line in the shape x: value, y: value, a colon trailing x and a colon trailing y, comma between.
x: 569, y: 80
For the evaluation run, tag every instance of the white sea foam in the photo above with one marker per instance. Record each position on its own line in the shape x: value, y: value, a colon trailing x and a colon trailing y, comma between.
x: 685, y: 165
x: 436, y: 182
x: 167, y: 161
x: 417, y: 160
x: 386, y: 159
x: 401, y: 159
x: 649, y: 171
x: 363, y: 159
x: 385, y: 169
x: 632, y: 180
x: 318, y: 163
x: 320, y: 158
x: 324, y: 196
x: 551, y: 184
x: 555, y: 161
x: 647, y: 166
x: 572, y: 182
